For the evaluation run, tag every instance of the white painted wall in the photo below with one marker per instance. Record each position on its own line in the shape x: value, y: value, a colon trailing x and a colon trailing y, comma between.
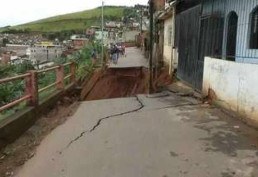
x: 129, y: 36
x: 235, y: 85
x: 167, y: 51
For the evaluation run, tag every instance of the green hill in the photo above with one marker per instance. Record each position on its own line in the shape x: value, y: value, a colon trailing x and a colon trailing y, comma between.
x: 74, y: 21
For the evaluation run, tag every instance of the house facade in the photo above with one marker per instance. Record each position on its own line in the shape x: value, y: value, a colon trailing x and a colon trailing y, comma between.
x: 168, y: 20
x: 216, y: 44
x: 238, y: 29
x: 231, y: 56
x: 164, y: 35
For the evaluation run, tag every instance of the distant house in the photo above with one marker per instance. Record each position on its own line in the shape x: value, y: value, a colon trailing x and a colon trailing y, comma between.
x: 98, y: 36
x: 19, y: 49
x: 79, y: 43
x: 110, y: 25
x: 90, y: 32
x: 39, y: 54
x: 6, y: 58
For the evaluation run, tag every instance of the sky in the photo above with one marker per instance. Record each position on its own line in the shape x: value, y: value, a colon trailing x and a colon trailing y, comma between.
x: 15, y: 12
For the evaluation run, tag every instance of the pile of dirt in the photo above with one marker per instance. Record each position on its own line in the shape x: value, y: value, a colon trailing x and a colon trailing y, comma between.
x: 116, y: 83
x: 16, y: 154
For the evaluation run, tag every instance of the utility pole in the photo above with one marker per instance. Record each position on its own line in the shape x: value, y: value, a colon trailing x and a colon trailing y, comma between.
x: 141, y: 18
x: 102, y: 38
x: 151, y: 47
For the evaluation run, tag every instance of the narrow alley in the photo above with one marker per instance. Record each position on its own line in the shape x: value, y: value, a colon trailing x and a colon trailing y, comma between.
x: 160, y: 135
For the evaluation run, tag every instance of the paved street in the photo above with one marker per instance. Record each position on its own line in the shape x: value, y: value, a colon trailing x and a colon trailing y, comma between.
x: 134, y: 58
x: 159, y: 135
x: 162, y: 135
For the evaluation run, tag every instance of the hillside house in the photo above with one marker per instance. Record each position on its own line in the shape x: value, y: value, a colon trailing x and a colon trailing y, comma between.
x: 40, y: 54
x: 230, y: 70
x: 79, y: 43
x: 98, y: 36
x: 6, y: 58
x: 217, y: 45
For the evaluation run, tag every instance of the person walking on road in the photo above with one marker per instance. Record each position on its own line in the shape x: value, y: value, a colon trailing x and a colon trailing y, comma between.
x: 114, y: 54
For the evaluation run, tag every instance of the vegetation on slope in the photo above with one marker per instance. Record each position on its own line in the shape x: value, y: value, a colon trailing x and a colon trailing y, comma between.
x: 74, y: 21
x: 15, y: 89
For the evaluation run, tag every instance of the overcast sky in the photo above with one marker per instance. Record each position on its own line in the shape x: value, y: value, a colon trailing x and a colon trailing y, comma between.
x: 15, y: 12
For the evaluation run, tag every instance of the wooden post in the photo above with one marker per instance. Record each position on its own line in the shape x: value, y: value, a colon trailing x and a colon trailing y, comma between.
x: 72, y: 71
x: 32, y: 88
x: 60, y: 77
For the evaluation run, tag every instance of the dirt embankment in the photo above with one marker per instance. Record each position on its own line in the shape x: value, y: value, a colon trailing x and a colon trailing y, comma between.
x: 114, y: 83
x: 121, y: 82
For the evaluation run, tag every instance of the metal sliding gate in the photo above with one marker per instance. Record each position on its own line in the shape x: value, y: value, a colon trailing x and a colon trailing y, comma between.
x: 190, y: 69
x: 196, y: 37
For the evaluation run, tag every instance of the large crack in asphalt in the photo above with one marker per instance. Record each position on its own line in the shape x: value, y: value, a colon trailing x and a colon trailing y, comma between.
x: 120, y: 114
x: 82, y: 134
x: 105, y: 118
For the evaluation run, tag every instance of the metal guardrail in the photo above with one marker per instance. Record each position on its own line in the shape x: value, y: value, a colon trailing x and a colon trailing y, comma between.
x: 31, y: 84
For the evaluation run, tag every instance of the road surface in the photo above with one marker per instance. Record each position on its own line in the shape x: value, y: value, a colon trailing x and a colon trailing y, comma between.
x: 161, y: 135
x: 134, y: 58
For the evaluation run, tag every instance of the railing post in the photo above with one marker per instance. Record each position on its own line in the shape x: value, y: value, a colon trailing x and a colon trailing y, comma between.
x: 60, y: 77
x: 72, y: 71
x: 32, y: 88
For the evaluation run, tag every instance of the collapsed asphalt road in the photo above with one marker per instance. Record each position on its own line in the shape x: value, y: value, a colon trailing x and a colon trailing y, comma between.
x: 116, y: 83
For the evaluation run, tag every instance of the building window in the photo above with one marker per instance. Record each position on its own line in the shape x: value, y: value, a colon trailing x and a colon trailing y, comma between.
x: 254, y: 29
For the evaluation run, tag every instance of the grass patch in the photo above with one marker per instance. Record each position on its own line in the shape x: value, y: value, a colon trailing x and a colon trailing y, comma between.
x: 73, y: 21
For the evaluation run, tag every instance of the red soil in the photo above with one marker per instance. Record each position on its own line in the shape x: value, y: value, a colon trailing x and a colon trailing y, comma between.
x: 115, y: 83
x: 124, y: 82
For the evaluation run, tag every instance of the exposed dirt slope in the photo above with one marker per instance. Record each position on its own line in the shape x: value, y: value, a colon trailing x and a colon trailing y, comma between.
x: 122, y: 82
x: 115, y: 83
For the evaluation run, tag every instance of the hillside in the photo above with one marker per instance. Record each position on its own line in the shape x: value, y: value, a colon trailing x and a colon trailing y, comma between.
x: 74, y: 21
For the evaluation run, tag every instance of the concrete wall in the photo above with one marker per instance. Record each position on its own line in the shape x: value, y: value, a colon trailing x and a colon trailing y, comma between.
x: 234, y: 85
x: 167, y: 50
x: 243, y: 9
x: 129, y: 36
